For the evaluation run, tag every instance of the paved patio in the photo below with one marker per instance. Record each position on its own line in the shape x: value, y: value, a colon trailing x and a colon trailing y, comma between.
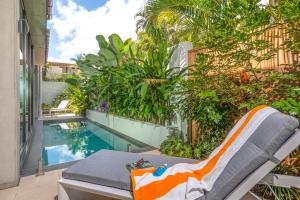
x: 34, y: 188
x: 45, y: 188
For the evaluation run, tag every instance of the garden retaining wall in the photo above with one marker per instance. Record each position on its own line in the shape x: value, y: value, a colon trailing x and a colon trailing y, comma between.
x: 148, y: 133
x: 50, y: 90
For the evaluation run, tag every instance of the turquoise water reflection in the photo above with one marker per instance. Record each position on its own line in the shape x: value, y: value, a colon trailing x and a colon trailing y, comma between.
x: 65, y: 142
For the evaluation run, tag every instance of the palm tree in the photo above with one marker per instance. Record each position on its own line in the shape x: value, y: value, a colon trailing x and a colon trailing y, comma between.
x: 180, y: 20
x: 191, y: 20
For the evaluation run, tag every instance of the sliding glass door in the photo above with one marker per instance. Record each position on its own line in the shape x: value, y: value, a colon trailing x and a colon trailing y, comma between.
x: 22, y: 79
x: 25, y: 81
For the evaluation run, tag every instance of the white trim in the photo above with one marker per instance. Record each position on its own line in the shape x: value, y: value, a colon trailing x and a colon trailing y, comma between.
x: 281, y: 181
x: 94, y: 189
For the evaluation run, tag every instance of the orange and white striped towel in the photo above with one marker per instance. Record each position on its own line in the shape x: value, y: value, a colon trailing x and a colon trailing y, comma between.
x: 189, y: 181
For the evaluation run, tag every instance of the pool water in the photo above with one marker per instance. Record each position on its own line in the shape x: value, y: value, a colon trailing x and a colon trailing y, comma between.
x: 69, y: 141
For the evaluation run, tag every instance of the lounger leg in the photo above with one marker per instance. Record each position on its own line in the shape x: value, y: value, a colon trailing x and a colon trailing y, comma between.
x: 62, y: 194
x: 271, y: 189
x: 254, y: 196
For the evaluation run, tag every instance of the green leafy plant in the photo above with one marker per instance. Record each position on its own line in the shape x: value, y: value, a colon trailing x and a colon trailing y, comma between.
x: 136, y: 84
x: 76, y: 94
x: 208, y: 143
x: 46, y: 106
x: 174, y: 146
x: 226, y: 80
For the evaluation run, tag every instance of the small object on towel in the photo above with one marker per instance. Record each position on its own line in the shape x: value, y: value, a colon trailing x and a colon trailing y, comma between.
x: 141, y: 164
x: 160, y: 170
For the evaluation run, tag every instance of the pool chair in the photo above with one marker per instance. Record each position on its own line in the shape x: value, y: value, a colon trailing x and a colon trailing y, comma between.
x: 62, y: 107
x: 105, y: 173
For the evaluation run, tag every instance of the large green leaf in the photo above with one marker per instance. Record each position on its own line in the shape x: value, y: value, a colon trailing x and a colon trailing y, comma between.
x: 107, y: 54
x: 144, y: 89
x: 128, y: 42
x: 102, y: 41
x: 88, y: 70
x: 95, y: 59
x: 116, y: 42
x: 109, y: 57
x: 128, y: 46
x: 72, y: 81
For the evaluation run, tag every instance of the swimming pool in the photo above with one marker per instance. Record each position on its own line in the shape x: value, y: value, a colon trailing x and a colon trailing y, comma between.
x: 69, y: 141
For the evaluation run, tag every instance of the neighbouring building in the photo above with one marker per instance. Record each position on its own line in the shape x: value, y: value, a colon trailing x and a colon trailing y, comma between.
x: 58, y: 70
x: 23, y: 52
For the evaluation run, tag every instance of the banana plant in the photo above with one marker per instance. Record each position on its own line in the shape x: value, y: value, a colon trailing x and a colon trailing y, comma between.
x: 136, y: 84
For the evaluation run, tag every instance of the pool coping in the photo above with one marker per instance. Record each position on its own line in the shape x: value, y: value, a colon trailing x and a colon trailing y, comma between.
x: 65, y: 119
x: 146, y: 148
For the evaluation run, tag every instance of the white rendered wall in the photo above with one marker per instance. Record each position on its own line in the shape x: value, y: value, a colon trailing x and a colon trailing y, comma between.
x: 9, y: 94
x: 180, y: 58
x: 148, y: 133
x: 50, y: 90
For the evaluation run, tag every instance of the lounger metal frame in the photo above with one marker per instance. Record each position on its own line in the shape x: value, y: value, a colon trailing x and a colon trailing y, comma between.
x: 259, y: 176
x: 262, y: 176
x: 54, y: 110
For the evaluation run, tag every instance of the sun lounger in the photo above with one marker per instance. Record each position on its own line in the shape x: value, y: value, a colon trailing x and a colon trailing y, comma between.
x: 64, y: 126
x: 105, y: 173
x: 62, y: 107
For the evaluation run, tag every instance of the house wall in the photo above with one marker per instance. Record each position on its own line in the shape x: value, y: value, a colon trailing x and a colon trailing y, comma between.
x: 148, y: 133
x: 50, y: 90
x: 180, y: 58
x: 9, y: 94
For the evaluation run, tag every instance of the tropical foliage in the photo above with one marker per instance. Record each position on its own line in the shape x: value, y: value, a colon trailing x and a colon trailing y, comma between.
x: 225, y: 81
x: 76, y: 93
x: 136, y: 84
x: 174, y: 146
x: 134, y: 79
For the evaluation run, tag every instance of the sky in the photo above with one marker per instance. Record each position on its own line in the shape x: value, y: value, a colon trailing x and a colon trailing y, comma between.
x: 76, y: 23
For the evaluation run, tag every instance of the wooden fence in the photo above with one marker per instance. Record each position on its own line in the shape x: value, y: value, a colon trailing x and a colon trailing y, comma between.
x: 276, y: 36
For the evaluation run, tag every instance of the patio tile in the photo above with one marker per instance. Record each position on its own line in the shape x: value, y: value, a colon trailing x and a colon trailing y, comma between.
x: 59, y: 172
x: 32, y: 182
x: 7, y: 194
x: 47, y: 192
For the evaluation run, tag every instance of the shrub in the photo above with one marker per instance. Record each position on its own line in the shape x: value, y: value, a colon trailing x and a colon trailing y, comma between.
x: 173, y: 146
